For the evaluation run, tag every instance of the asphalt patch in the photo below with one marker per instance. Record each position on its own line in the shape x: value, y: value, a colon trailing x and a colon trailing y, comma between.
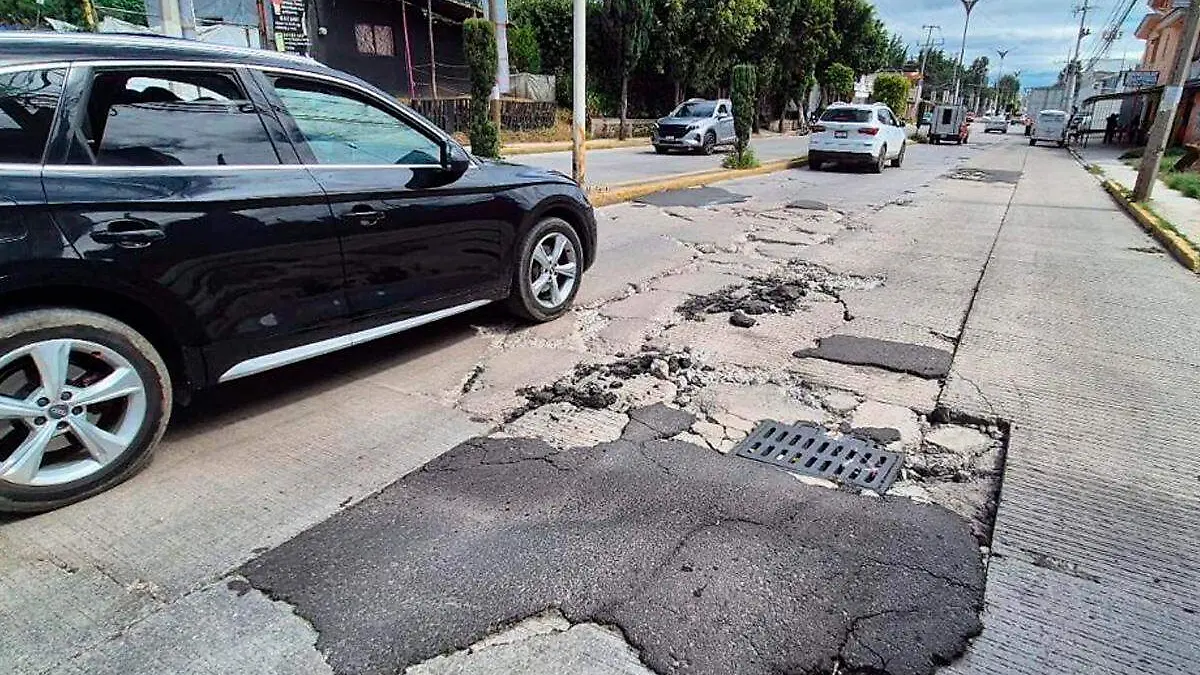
x: 985, y: 175
x: 696, y: 197
x: 808, y: 205
x: 901, y: 357
x: 706, y: 564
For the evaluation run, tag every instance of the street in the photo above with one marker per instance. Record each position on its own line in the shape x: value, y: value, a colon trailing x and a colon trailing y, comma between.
x: 623, y: 165
x: 479, y: 496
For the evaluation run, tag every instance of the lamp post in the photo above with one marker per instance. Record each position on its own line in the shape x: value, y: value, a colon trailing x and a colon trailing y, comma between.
x: 967, y: 5
x: 999, y: 74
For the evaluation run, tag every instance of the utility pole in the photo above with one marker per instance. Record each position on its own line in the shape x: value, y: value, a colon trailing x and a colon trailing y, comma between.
x: 962, y: 50
x: 432, y: 56
x: 179, y: 18
x: 999, y: 74
x: 1073, y: 66
x: 1165, y: 118
x: 924, y: 54
x: 494, y: 17
x: 579, y: 90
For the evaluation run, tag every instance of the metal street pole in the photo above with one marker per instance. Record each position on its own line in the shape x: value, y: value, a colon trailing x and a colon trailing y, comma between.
x: 1073, y: 66
x: 579, y: 93
x: 962, y: 50
x: 1165, y: 117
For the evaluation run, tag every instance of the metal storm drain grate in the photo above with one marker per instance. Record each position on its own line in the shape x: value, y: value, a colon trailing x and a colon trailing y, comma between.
x: 809, y: 450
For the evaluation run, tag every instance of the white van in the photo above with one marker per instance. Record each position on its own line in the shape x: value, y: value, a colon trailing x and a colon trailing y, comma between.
x: 1051, y: 127
x: 949, y: 124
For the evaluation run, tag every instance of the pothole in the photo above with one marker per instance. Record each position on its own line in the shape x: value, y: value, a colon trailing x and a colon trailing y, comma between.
x: 985, y: 175
x: 782, y: 293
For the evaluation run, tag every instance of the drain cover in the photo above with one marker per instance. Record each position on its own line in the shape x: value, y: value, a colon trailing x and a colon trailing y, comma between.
x: 809, y: 450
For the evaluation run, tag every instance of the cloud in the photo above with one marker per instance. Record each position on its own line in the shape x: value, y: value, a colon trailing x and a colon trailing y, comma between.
x: 1039, y: 34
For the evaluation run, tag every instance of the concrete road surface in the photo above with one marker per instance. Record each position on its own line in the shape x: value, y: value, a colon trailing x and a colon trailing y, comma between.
x: 427, y: 533
x: 622, y: 165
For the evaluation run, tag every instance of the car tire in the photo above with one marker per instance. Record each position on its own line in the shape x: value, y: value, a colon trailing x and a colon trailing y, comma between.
x: 880, y: 161
x: 815, y: 164
x: 709, y: 144
x: 899, y: 157
x: 68, y: 355
x: 532, y: 298
x: 660, y: 149
x: 1032, y: 142
x: 935, y: 140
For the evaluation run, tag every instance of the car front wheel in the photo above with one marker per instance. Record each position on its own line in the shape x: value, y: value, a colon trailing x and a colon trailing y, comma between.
x: 549, y: 268
x: 710, y: 144
x: 83, y: 401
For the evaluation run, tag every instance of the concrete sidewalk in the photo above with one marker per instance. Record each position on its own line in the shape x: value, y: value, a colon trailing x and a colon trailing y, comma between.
x: 1080, y: 335
x: 1182, y: 211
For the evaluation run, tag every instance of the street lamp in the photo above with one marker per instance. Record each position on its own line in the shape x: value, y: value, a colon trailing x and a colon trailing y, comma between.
x: 967, y: 5
x: 999, y: 74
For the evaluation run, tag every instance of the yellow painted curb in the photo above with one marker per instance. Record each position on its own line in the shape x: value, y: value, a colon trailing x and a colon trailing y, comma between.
x: 1180, y: 248
x: 559, y: 146
x: 607, y: 195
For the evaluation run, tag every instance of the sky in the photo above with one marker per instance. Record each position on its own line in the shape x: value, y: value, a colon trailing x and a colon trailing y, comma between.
x: 1040, y: 34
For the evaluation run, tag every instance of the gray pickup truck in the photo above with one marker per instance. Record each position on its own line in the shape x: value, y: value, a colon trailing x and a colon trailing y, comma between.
x: 696, y: 125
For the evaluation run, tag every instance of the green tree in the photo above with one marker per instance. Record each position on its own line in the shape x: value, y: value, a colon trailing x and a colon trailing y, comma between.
x: 896, y: 53
x: 860, y: 41
x: 743, y: 97
x: 479, y: 47
x: 627, y: 26
x: 523, y: 49
x: 551, y: 24
x: 839, y: 81
x: 696, y: 42
x: 891, y: 89
x: 1008, y: 89
x: 26, y: 12
x: 790, y: 42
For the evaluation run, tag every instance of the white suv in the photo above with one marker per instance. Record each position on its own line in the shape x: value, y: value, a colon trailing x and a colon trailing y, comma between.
x: 867, y: 133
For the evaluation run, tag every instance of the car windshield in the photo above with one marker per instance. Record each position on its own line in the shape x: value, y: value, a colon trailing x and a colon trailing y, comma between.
x: 846, y: 115
x: 696, y: 109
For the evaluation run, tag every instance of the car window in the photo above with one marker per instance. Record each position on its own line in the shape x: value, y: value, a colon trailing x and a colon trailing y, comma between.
x: 846, y: 115
x: 27, y: 103
x: 722, y: 109
x: 342, y: 128
x: 169, y: 117
x: 695, y: 109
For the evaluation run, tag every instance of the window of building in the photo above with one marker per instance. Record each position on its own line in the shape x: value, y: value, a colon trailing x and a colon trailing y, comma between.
x: 177, y: 117
x: 374, y: 40
x: 27, y: 103
x: 343, y: 128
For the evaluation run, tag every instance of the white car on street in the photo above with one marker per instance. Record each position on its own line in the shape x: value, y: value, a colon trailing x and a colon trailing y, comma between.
x: 867, y: 133
x: 996, y: 123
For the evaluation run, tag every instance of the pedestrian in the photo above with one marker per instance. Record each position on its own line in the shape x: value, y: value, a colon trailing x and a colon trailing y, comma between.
x: 1110, y: 128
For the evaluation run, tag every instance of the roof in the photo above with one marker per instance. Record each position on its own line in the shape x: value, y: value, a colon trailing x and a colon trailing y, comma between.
x: 17, y: 48
x: 841, y: 104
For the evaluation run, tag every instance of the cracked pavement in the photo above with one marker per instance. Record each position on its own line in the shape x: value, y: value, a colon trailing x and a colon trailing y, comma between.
x: 705, y: 564
x: 255, y: 464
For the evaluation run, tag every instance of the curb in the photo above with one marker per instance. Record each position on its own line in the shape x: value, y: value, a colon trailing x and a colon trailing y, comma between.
x: 559, y: 146
x: 1180, y: 248
x: 607, y: 195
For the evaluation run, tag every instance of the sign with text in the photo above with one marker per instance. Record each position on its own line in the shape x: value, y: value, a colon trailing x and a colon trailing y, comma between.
x: 291, y: 33
x: 1140, y: 79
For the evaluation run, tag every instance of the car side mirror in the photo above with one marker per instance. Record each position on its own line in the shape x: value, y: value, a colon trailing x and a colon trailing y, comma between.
x: 455, y: 160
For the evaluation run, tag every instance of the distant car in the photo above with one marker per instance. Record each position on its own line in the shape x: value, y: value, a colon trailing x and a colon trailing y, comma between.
x: 991, y: 124
x: 1050, y: 127
x: 949, y: 124
x: 867, y: 133
x: 696, y: 125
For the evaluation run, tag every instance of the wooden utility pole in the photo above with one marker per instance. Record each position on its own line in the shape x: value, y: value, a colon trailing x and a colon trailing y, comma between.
x: 921, y: 78
x: 1165, y: 118
x: 432, y: 56
x: 1073, y: 66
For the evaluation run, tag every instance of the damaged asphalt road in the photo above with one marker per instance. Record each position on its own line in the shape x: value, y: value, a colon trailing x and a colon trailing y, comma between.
x: 706, y: 563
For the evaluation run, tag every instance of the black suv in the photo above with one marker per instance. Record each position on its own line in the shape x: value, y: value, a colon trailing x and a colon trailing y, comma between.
x: 173, y: 215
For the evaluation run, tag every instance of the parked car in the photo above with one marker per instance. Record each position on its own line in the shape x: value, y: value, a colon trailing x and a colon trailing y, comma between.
x: 1050, y: 126
x: 998, y: 124
x: 867, y: 133
x: 174, y: 215
x: 696, y: 125
x: 949, y: 123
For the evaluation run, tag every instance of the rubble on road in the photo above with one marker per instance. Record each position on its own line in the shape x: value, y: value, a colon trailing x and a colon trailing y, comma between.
x: 782, y: 293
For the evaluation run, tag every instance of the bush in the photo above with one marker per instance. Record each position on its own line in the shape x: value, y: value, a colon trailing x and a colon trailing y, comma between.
x: 479, y: 47
x: 523, y: 50
x: 743, y: 95
x: 839, y: 81
x: 1185, y: 182
x: 745, y: 160
x: 891, y: 89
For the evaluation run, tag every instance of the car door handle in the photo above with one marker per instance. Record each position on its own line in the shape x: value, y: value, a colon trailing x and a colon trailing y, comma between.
x: 365, y: 216
x: 129, y: 233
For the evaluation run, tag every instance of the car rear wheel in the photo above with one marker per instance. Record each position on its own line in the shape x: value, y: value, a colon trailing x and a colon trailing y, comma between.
x: 880, y: 161
x: 548, y: 271
x: 710, y: 144
x: 83, y: 401
x: 1032, y: 142
x: 900, y: 157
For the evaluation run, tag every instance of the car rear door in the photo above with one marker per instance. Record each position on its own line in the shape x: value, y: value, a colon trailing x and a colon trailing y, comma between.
x: 28, y: 100
x: 171, y: 180
x: 416, y: 239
